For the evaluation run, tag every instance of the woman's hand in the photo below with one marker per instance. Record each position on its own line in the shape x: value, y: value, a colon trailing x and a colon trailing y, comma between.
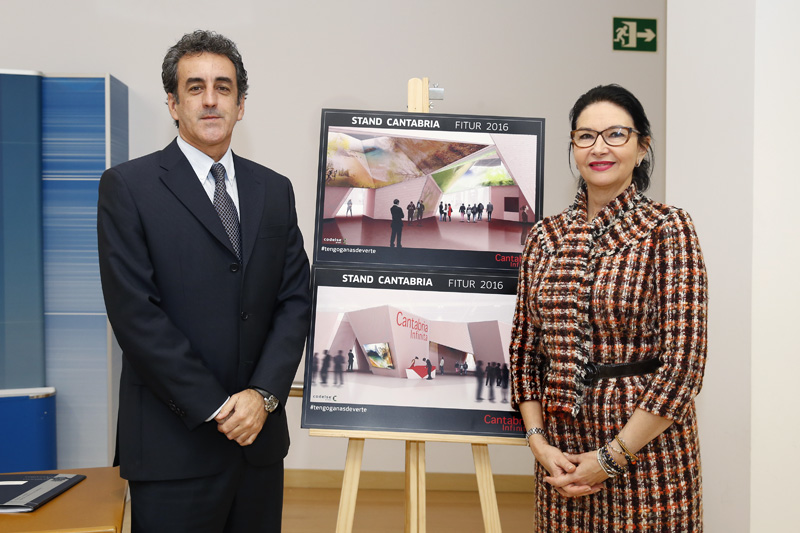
x: 551, y: 458
x: 563, y: 468
x: 571, y: 475
x: 586, y: 478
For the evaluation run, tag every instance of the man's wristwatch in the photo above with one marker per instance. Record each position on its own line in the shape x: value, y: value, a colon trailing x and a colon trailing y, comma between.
x: 270, y: 401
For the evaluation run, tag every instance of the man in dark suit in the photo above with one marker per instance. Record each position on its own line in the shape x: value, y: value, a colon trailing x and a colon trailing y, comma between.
x: 397, y: 224
x: 206, y: 286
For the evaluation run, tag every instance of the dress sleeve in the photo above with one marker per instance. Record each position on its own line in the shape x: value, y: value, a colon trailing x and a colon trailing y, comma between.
x: 525, y: 358
x: 682, y: 297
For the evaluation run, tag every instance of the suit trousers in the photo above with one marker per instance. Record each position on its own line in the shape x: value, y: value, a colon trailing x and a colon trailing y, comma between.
x: 241, y: 499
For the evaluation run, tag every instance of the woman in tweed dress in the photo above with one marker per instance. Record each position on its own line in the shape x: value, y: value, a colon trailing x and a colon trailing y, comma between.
x: 609, y: 340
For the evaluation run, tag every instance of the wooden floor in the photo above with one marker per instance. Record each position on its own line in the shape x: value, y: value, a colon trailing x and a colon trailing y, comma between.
x: 315, y: 510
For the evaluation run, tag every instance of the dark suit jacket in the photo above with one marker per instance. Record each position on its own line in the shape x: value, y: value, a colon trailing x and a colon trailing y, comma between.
x: 195, y: 326
x: 397, y: 216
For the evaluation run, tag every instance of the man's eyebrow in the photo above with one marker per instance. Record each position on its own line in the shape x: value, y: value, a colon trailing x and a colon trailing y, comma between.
x: 224, y: 79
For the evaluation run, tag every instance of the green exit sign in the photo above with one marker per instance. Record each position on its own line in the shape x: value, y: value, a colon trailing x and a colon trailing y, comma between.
x: 638, y: 35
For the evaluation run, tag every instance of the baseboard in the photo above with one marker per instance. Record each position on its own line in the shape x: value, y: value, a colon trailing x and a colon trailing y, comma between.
x: 370, y: 480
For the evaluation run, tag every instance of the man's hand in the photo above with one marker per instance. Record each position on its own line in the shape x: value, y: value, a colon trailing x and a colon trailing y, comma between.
x: 242, y: 417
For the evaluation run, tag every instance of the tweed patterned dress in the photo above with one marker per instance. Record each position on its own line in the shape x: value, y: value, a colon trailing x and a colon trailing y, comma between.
x: 628, y: 286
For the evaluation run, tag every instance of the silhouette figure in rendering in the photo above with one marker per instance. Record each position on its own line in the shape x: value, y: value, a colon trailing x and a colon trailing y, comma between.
x: 326, y: 365
x: 397, y: 224
x: 314, y: 367
x: 479, y: 374
x: 338, y: 369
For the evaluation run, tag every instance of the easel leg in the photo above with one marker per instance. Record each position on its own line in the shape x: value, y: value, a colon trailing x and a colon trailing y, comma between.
x: 415, y: 487
x: 483, y: 471
x: 352, y: 471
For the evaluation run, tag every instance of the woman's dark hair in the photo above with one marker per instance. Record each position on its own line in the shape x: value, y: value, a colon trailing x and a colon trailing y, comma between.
x: 626, y: 100
x: 198, y: 42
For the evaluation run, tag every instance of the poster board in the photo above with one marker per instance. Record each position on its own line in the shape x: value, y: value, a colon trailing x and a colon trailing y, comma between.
x: 420, y: 224
x: 426, y: 161
x: 395, y: 323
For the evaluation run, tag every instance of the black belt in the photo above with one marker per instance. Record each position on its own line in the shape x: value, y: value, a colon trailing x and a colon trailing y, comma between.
x: 595, y: 371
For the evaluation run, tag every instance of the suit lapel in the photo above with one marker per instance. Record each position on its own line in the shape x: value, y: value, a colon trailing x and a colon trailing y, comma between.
x: 251, y: 202
x: 179, y: 177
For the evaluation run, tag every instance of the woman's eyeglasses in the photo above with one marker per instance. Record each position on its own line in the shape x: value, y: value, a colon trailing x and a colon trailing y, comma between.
x: 613, y: 136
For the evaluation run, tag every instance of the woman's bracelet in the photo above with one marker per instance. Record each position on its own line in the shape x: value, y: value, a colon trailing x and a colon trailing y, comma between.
x: 608, y: 464
x: 615, y: 449
x: 630, y: 457
x: 531, y: 432
x: 602, y: 464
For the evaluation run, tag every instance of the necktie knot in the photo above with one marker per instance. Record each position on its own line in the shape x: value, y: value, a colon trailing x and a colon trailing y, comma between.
x: 218, y: 171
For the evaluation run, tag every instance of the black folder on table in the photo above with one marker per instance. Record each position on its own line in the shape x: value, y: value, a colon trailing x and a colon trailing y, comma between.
x: 23, y: 493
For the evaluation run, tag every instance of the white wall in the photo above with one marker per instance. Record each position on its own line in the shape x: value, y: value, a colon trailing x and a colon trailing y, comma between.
x: 775, y: 354
x: 710, y: 173
x: 732, y: 78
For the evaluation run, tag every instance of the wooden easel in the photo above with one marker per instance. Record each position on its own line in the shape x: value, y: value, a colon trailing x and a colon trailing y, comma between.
x: 418, y: 95
x: 415, y: 474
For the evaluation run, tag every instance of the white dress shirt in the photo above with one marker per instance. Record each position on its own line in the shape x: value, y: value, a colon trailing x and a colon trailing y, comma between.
x: 201, y: 164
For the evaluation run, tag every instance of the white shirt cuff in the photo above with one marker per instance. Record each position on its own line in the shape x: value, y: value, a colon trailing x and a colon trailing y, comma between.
x: 210, y: 418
